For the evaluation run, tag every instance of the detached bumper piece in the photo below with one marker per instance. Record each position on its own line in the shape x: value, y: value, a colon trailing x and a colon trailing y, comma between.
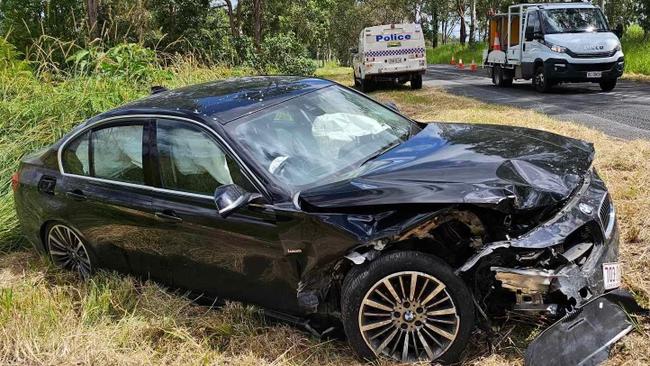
x: 585, y: 336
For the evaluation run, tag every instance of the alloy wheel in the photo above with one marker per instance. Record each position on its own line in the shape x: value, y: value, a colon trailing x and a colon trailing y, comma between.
x: 408, y: 316
x: 68, y: 251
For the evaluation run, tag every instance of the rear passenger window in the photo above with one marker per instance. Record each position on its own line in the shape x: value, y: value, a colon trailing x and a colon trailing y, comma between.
x: 75, y: 156
x: 117, y: 153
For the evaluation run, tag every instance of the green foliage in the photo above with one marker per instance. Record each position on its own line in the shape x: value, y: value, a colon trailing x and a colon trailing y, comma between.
x: 442, y: 54
x: 636, y: 47
x: 128, y: 61
x: 10, y: 59
x: 284, y: 54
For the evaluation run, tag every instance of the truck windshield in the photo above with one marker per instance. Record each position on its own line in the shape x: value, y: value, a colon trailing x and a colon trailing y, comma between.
x: 574, y: 20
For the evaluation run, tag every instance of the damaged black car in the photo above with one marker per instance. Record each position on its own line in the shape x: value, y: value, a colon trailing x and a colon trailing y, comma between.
x: 326, y: 207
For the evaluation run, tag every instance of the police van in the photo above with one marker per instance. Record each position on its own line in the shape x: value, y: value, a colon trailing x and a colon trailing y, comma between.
x: 393, y: 52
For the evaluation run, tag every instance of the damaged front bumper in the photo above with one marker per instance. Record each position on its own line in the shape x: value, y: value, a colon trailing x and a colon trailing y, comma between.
x: 558, y: 269
x: 558, y: 265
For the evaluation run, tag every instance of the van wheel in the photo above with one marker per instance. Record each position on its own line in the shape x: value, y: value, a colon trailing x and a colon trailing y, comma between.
x: 416, y: 82
x: 500, y: 77
x: 540, y: 81
x: 366, y: 85
x: 408, y: 306
x: 607, y: 84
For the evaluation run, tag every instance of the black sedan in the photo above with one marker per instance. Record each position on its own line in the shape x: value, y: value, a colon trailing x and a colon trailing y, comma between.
x: 318, y: 203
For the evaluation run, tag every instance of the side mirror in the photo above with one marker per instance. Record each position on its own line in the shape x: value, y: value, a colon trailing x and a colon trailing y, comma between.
x: 538, y: 35
x: 230, y: 197
x: 354, y: 50
x: 530, y: 34
x: 618, y: 31
x: 392, y: 105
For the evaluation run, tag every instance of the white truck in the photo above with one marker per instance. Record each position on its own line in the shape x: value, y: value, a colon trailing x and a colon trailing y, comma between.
x: 562, y: 42
x: 393, y: 52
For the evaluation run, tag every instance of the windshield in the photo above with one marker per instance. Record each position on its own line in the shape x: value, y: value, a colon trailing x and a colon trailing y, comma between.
x: 319, y: 137
x: 574, y: 20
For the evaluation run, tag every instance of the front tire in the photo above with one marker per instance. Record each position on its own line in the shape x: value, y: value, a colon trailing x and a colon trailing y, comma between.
x: 607, y: 85
x: 540, y: 80
x: 68, y: 251
x: 408, y: 306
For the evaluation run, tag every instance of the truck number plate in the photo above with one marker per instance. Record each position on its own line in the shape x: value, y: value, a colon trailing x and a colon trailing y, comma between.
x: 611, y: 275
x: 594, y: 74
x: 394, y: 60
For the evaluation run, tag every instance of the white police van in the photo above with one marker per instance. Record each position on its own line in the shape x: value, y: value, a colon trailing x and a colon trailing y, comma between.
x: 553, y: 43
x: 393, y: 52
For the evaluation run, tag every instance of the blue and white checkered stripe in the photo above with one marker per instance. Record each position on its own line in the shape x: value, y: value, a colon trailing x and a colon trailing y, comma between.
x: 395, y: 52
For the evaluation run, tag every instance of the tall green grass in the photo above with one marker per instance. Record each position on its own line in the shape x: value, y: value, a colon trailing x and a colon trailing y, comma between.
x: 443, y: 53
x: 636, y: 47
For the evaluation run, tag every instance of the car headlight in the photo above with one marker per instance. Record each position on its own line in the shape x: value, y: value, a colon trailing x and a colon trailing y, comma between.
x: 618, y: 47
x: 558, y: 49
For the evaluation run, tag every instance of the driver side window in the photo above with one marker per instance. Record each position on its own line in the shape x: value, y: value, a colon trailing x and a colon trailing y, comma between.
x: 190, y: 160
x: 534, y: 23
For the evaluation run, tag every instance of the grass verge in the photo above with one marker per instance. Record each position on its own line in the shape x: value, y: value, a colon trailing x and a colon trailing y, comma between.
x: 50, y: 317
x: 442, y: 54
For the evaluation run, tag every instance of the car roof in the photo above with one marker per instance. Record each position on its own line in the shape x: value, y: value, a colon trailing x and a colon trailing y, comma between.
x: 225, y: 100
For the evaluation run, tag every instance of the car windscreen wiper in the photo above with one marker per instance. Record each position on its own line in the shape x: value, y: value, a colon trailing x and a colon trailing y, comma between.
x: 382, y: 151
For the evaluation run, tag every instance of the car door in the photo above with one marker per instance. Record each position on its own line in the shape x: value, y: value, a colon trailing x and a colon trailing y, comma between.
x: 531, y: 46
x: 239, y: 257
x: 104, y: 194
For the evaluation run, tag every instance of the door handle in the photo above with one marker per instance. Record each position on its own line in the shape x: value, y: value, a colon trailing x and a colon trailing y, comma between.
x: 77, y: 195
x: 168, y: 217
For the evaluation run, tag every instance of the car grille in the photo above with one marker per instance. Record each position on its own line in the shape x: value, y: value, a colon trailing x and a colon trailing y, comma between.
x: 594, y: 67
x: 604, y: 214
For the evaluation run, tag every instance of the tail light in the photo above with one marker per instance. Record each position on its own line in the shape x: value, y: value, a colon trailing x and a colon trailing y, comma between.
x: 15, y: 181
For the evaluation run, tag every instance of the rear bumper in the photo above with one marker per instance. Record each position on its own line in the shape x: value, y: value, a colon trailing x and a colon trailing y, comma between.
x: 562, y: 70
x: 383, y: 70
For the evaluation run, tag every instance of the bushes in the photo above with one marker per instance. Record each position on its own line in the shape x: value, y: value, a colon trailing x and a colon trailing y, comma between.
x: 126, y: 61
x: 283, y: 54
x: 636, y: 47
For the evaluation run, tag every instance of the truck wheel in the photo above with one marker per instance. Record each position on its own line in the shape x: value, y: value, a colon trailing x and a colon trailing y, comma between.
x: 540, y: 81
x: 607, y: 84
x: 500, y: 78
x: 408, y: 306
x: 416, y: 82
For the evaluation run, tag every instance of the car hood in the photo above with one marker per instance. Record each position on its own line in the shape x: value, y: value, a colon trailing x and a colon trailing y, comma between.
x: 506, y: 167
x: 595, y: 42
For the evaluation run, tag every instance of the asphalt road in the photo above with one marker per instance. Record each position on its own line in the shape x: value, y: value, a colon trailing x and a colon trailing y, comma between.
x: 623, y: 112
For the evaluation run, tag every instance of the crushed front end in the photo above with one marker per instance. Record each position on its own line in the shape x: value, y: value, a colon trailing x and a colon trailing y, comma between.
x: 564, y: 269
x: 558, y: 265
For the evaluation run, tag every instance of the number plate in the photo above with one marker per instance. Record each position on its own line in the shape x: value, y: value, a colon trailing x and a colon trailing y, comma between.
x: 394, y: 60
x: 611, y: 275
x: 594, y: 74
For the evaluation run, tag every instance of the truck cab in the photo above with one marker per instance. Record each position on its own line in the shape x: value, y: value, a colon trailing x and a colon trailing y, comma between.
x: 553, y: 43
x: 392, y: 52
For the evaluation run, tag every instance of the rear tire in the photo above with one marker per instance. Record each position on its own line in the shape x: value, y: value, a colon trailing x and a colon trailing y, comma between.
x: 67, y: 250
x: 416, y: 82
x: 607, y: 85
x: 541, y: 83
x: 366, y: 85
x: 500, y: 77
x: 423, y: 301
